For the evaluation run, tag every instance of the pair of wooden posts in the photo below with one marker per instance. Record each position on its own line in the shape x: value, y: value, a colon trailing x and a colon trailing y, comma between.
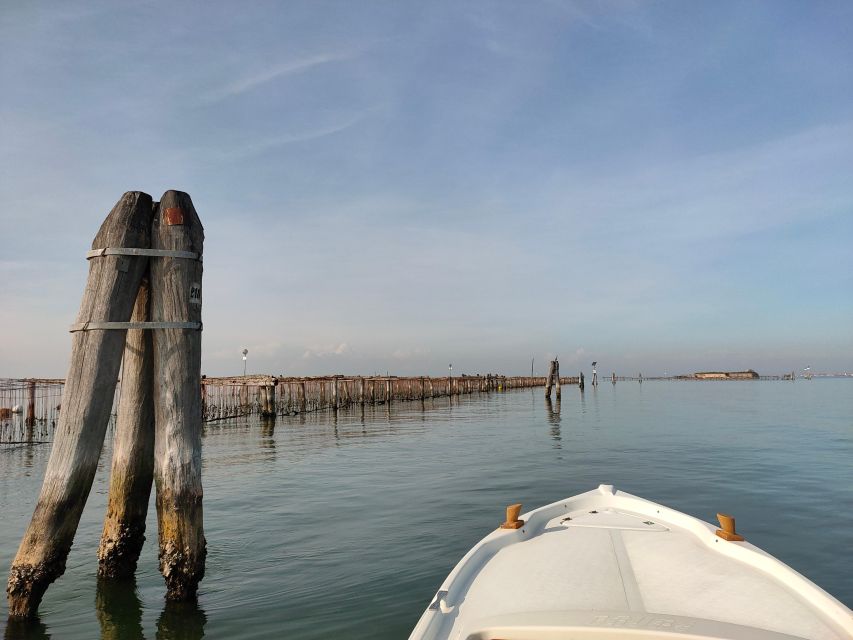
x: 142, y: 305
x: 553, y: 379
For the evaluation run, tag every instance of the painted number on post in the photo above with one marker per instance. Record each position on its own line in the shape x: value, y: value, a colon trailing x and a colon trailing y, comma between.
x: 195, y: 293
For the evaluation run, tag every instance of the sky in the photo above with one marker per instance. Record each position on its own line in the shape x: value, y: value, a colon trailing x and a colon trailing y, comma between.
x: 397, y: 186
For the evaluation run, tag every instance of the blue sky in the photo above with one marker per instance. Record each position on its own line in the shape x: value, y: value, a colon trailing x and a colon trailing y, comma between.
x: 393, y: 186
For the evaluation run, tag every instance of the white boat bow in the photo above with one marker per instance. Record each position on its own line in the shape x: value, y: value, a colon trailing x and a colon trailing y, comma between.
x: 607, y: 564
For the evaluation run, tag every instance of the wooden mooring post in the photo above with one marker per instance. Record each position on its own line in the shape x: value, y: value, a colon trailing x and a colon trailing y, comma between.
x: 31, y: 404
x: 553, y: 372
x: 110, y: 294
x: 268, y: 400
x: 557, y: 378
x: 176, y: 297
x: 132, y: 470
x: 158, y: 431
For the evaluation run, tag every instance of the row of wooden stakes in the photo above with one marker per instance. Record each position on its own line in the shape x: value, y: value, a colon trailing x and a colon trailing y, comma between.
x: 141, y: 312
x: 270, y: 396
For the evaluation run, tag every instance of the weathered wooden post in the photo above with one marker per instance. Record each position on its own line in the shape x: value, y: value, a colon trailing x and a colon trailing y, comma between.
x: 361, y: 391
x: 176, y: 297
x: 132, y: 471
x: 549, y: 381
x: 31, y: 404
x: 203, y: 398
x: 268, y: 406
x: 284, y: 394
x: 557, y: 378
x: 87, y: 401
x: 580, y: 381
x: 613, y: 377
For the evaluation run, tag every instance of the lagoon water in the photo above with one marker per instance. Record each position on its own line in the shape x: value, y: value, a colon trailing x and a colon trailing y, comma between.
x: 321, y: 526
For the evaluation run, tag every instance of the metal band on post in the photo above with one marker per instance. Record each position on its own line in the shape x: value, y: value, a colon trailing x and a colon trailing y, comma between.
x: 133, y: 251
x: 97, y: 326
x: 137, y: 251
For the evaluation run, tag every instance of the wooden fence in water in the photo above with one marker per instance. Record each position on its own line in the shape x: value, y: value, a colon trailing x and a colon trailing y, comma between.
x: 29, y: 407
x: 270, y: 395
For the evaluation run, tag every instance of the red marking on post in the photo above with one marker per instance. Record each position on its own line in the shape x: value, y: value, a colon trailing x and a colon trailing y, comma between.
x: 173, y: 215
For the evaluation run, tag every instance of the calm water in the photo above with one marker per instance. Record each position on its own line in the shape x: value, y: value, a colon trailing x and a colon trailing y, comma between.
x: 320, y: 527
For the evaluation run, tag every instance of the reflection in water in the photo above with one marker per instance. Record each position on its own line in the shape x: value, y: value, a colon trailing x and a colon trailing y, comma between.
x: 268, y: 427
x: 32, y: 629
x: 595, y: 402
x: 119, y: 610
x: 554, y: 419
x: 268, y: 435
x: 181, y: 621
x: 293, y: 437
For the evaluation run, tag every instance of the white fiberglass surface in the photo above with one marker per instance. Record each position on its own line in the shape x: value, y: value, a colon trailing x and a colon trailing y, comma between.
x: 605, y: 559
x: 684, y: 577
x: 544, y: 573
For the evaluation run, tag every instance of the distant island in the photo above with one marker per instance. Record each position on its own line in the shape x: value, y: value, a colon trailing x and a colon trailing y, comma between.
x: 749, y: 374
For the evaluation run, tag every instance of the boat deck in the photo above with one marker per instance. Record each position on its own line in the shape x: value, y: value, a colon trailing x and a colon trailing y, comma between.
x: 606, y: 564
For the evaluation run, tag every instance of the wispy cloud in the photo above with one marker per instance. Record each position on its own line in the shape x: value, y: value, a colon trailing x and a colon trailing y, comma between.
x: 405, y: 353
x: 272, y: 142
x: 259, y: 77
x: 325, y: 351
